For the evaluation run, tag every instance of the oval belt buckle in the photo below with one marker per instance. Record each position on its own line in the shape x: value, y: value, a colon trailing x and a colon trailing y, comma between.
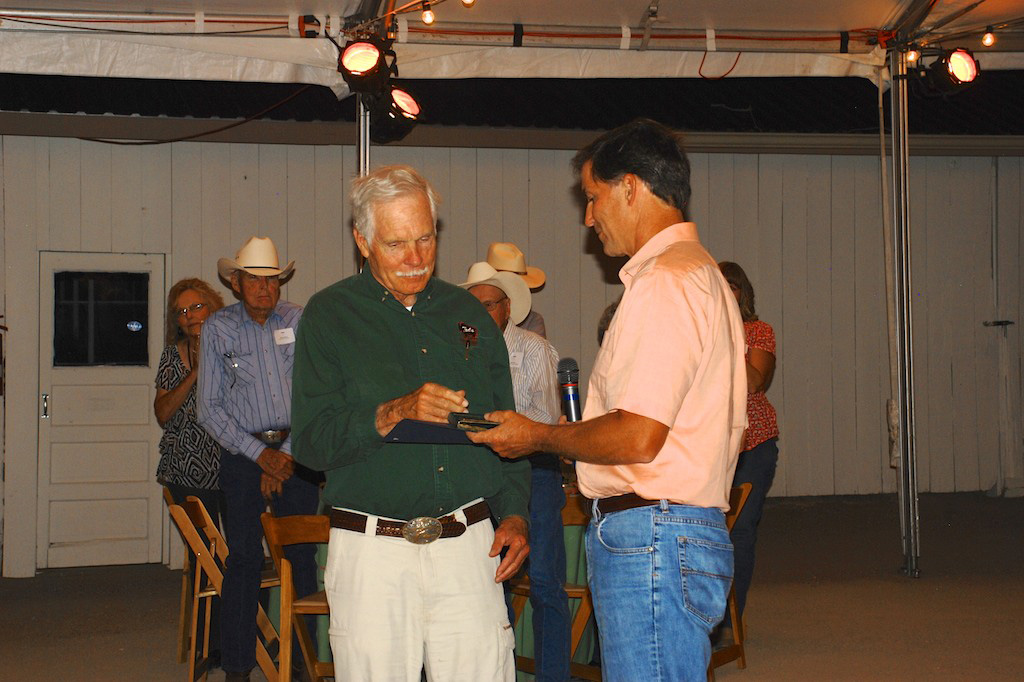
x: 422, y: 530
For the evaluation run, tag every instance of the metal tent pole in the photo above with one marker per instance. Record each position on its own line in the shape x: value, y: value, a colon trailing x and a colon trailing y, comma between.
x: 363, y: 138
x: 909, y: 519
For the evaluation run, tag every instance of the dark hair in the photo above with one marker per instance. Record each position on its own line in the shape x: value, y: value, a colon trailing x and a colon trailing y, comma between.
x: 647, y: 149
x: 735, y: 276
x: 172, y: 332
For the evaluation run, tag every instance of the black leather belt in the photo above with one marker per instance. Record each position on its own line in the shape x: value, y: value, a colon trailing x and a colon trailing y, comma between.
x: 272, y: 437
x: 623, y: 502
x: 420, y: 531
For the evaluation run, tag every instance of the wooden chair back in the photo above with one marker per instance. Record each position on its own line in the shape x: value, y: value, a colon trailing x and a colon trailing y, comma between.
x: 733, y: 651
x: 207, y: 544
x: 185, y: 601
x: 281, y: 531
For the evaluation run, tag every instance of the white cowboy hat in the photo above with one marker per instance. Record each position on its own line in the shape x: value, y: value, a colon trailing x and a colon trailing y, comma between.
x: 507, y: 256
x: 258, y: 256
x: 513, y: 286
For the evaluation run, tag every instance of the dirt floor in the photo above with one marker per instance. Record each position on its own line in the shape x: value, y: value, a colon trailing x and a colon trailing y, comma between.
x: 828, y: 601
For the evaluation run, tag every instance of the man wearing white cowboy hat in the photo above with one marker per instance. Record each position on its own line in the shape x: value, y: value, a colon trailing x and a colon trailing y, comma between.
x: 245, y: 404
x: 533, y: 360
x: 507, y: 257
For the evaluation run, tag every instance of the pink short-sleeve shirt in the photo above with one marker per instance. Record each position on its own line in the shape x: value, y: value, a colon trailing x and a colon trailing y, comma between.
x: 673, y: 353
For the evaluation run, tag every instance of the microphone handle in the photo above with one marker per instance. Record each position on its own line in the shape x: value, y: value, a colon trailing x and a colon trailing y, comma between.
x: 571, y: 402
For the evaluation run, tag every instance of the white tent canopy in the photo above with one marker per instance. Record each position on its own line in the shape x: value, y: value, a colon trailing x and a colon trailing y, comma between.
x: 262, y: 42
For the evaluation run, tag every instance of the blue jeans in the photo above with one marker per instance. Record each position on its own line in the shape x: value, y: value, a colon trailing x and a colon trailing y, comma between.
x: 659, y: 576
x: 546, y: 569
x: 757, y: 467
x: 240, y: 481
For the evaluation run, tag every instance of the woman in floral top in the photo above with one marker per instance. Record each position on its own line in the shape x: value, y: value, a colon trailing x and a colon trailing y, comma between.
x: 760, y: 451
x: 189, y: 457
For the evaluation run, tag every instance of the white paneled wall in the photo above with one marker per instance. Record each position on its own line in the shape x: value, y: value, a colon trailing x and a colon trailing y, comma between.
x: 808, y: 230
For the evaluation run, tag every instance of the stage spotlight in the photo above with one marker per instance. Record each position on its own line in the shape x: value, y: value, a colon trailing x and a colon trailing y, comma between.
x: 989, y: 39
x: 392, y: 116
x: 362, y: 65
x: 953, y: 70
x: 428, y: 14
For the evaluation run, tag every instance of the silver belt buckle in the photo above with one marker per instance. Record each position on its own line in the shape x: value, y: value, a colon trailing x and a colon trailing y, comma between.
x: 422, y: 530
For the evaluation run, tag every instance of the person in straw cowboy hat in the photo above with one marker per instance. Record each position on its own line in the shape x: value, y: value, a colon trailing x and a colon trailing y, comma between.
x: 533, y: 360
x: 245, y: 388
x: 507, y: 257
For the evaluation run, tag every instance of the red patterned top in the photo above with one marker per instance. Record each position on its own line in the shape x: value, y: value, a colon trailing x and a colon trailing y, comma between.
x: 760, y: 412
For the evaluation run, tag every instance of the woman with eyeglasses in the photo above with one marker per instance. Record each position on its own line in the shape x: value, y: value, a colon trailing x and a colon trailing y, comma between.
x: 189, y: 457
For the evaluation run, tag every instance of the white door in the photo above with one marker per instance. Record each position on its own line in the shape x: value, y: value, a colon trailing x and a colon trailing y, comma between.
x: 100, y: 337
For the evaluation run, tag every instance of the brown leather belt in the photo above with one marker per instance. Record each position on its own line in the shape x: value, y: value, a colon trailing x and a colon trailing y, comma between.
x: 272, y: 437
x: 623, y: 502
x: 420, y: 531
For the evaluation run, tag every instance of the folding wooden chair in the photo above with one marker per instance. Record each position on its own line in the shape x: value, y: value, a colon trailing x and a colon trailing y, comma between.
x: 296, y: 530
x: 734, y: 651
x: 574, y: 513
x: 211, y: 552
x: 185, y: 602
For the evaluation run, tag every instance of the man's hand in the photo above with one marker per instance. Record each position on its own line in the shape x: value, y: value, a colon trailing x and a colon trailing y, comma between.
x: 511, y: 533
x: 516, y: 436
x: 430, y: 402
x: 278, y: 465
x: 269, y: 486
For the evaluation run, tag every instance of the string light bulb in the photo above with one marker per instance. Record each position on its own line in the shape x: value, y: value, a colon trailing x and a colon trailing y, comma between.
x: 428, y: 14
x: 989, y: 39
x: 913, y: 54
x: 468, y: 3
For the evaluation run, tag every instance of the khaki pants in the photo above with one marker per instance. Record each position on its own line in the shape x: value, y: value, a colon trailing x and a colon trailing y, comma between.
x: 397, y: 608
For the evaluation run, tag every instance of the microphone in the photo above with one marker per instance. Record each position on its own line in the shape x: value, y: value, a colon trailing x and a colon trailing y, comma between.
x: 568, y: 383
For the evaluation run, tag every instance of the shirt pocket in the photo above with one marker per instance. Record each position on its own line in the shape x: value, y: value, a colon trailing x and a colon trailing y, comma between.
x: 241, y: 368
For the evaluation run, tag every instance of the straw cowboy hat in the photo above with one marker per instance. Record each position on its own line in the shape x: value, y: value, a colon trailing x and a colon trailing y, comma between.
x: 257, y: 257
x: 507, y: 256
x: 513, y: 286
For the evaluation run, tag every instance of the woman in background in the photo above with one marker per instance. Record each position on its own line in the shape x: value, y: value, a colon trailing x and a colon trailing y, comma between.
x: 189, y: 457
x: 760, y: 452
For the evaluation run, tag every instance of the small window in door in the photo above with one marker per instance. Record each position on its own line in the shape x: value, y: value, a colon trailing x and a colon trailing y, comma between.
x: 100, y: 318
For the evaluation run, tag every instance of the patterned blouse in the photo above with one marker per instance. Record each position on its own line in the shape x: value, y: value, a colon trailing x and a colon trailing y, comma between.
x: 189, y: 456
x: 760, y: 412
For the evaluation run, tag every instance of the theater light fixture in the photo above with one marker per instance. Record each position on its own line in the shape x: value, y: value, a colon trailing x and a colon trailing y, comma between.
x: 362, y: 65
x: 953, y: 70
x: 392, y: 115
x: 989, y: 39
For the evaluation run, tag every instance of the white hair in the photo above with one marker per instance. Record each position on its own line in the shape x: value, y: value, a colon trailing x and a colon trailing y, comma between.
x: 382, y: 185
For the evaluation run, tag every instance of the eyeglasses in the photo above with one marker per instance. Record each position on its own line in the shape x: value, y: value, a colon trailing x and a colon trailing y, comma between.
x: 195, y: 307
x: 491, y: 305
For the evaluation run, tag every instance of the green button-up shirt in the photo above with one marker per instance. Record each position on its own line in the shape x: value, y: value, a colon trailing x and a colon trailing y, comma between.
x: 358, y: 347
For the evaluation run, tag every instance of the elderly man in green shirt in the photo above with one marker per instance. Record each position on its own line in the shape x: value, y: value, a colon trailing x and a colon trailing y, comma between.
x: 392, y: 343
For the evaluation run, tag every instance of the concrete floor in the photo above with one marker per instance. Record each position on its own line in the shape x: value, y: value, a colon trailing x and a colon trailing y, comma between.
x: 828, y: 602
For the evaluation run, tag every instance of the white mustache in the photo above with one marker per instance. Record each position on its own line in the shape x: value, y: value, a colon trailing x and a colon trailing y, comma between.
x: 414, y: 273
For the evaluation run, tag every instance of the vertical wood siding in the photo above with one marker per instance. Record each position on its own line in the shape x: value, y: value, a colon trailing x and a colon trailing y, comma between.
x: 806, y: 228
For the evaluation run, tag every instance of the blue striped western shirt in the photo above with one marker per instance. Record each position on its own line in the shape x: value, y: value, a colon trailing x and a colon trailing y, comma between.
x: 245, y: 376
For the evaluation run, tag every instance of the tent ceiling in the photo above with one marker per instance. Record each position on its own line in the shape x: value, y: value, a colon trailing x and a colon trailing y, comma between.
x: 721, y: 15
x: 563, y: 39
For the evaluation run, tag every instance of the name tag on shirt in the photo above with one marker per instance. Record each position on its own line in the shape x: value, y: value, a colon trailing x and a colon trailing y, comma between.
x: 284, y: 336
x: 515, y: 359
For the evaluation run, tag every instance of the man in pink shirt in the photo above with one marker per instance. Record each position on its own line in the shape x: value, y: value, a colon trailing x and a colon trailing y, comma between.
x: 664, y: 419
